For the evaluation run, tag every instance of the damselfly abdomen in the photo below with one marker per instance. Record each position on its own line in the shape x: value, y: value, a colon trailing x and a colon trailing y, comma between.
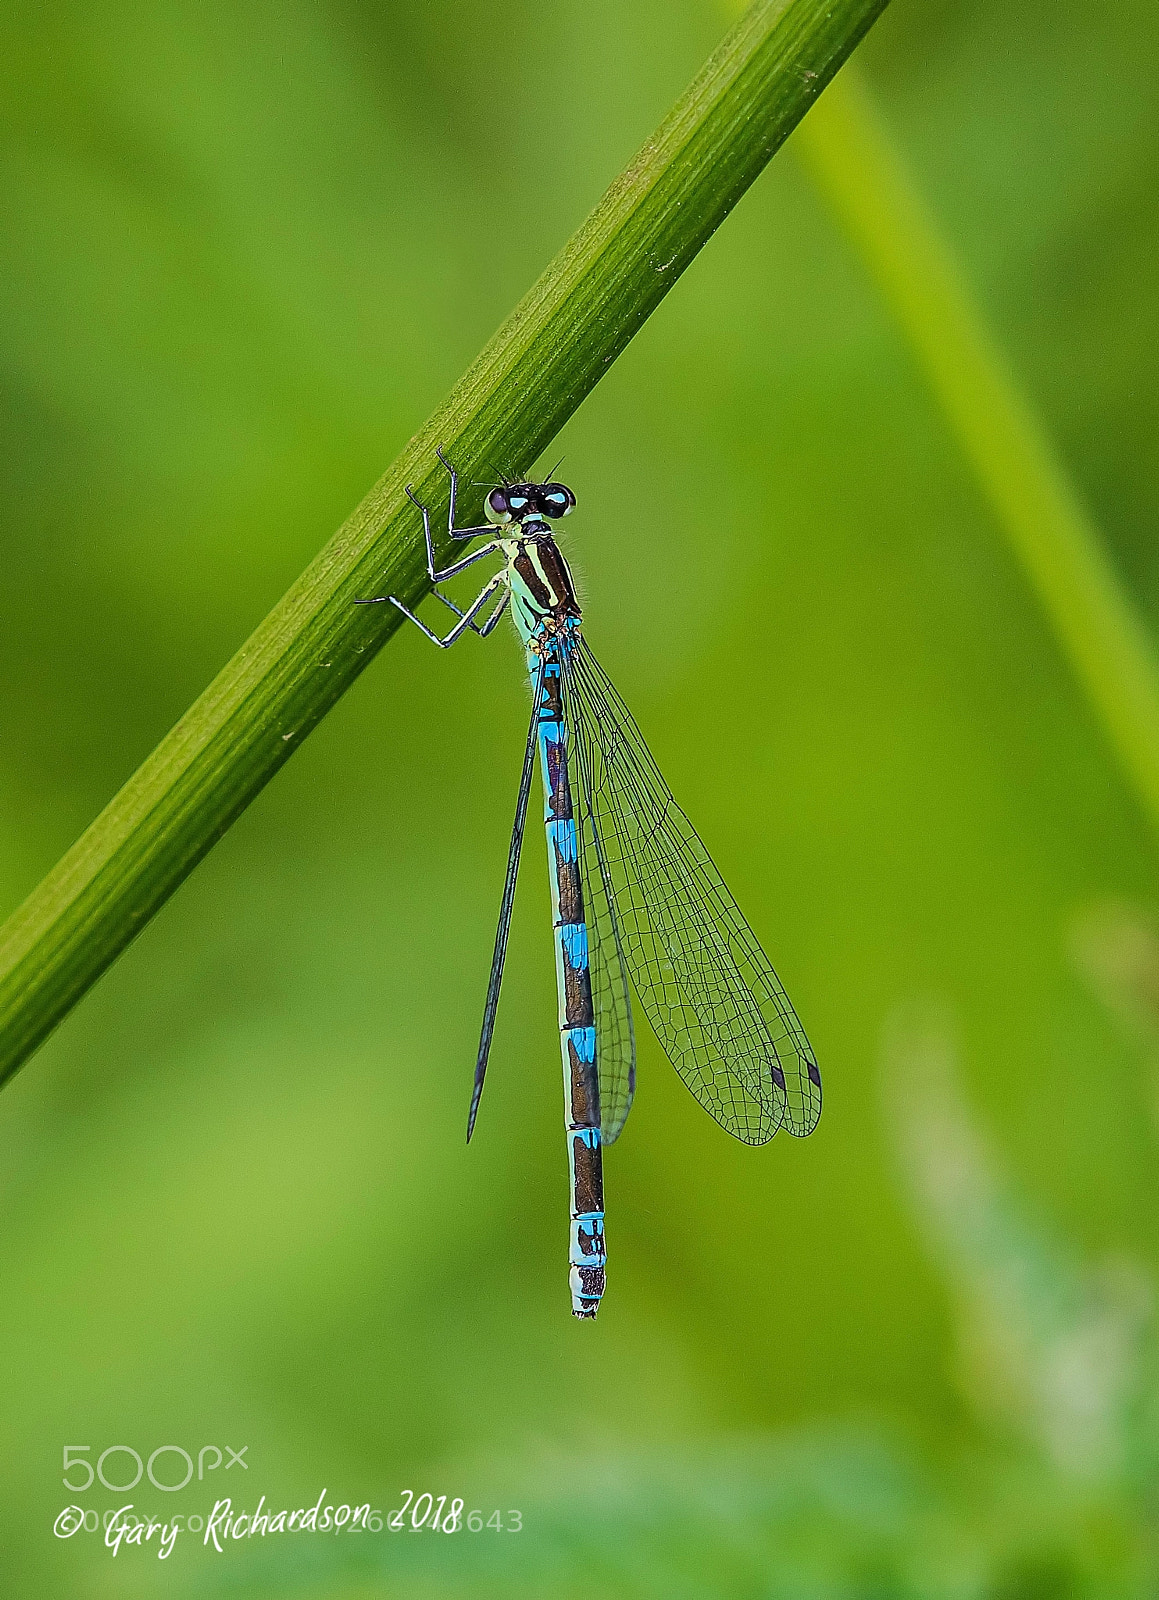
x: 634, y: 893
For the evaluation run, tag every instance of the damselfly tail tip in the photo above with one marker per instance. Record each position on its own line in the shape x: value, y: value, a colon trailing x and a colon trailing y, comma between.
x: 587, y: 1288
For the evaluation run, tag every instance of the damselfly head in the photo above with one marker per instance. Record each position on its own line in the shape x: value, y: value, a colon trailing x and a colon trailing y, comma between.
x: 520, y: 502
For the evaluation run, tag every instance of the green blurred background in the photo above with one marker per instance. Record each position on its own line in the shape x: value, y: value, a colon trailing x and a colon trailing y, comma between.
x: 246, y: 248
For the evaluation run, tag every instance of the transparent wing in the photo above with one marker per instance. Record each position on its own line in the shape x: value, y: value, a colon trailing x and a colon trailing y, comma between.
x: 503, y: 931
x: 702, y: 979
x: 615, y: 1037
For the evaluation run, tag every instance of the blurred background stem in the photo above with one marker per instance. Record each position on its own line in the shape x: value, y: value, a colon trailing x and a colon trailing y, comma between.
x: 847, y: 148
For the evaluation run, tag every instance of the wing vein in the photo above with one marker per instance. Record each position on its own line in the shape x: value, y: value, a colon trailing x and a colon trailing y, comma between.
x: 670, y: 923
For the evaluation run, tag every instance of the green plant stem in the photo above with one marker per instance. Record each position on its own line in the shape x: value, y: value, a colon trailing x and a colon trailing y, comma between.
x: 543, y: 361
x: 849, y: 152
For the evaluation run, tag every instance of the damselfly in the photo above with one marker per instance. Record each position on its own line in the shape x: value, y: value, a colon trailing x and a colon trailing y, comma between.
x: 634, y: 893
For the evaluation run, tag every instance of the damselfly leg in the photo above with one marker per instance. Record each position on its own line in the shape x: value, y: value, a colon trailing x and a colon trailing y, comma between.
x: 437, y: 576
x: 466, y: 618
x: 483, y: 628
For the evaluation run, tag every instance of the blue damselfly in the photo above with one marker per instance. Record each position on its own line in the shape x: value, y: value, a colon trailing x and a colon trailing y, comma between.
x: 634, y: 893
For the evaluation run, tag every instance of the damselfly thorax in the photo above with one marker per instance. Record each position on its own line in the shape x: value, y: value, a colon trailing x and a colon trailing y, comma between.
x: 540, y: 582
x: 634, y: 892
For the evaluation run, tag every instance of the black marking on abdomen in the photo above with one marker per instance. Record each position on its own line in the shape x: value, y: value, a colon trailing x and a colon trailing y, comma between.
x: 559, y: 789
x: 589, y: 1178
x: 585, y: 1088
x: 591, y: 1243
x: 571, y: 904
x: 577, y: 993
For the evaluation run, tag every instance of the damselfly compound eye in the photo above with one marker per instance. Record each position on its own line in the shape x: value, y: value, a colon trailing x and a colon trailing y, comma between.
x: 496, y: 506
x: 556, y: 499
